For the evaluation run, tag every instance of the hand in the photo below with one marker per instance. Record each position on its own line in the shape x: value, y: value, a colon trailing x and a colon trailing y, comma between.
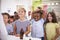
x: 53, y: 39
x: 17, y: 35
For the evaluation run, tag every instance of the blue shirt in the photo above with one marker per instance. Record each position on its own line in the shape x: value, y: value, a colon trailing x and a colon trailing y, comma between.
x: 9, y: 28
x: 37, y: 28
x: 20, y: 25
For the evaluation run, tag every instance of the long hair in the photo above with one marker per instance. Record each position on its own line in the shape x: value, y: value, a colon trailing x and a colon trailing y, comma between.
x: 54, y: 19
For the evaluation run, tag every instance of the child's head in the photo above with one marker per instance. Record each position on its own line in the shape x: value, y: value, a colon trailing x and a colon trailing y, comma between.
x: 51, y: 17
x: 37, y: 15
x: 21, y: 12
x: 5, y: 17
x: 11, y: 19
x: 15, y: 13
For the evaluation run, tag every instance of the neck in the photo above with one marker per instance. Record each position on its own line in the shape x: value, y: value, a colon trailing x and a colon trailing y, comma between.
x: 22, y: 19
x: 50, y: 22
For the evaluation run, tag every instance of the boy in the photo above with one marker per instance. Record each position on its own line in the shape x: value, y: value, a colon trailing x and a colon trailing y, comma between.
x: 8, y: 26
x: 37, y: 30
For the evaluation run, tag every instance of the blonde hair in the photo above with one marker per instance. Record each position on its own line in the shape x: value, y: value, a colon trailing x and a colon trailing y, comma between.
x: 21, y: 9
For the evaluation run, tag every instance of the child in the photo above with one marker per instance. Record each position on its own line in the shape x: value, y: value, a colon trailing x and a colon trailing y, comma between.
x: 8, y: 26
x: 51, y: 26
x: 21, y: 23
x: 37, y: 30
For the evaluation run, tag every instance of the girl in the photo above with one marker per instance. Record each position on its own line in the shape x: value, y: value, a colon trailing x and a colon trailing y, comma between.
x: 21, y: 23
x: 51, y: 26
x: 37, y: 30
x: 8, y: 26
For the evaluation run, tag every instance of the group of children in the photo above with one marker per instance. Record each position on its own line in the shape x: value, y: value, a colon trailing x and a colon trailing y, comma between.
x: 45, y: 28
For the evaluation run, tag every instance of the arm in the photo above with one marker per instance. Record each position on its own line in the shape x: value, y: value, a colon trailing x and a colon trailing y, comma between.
x: 44, y: 16
x: 27, y: 30
x: 57, y: 34
x: 45, y: 35
x: 14, y: 29
x: 17, y: 35
x: 45, y: 38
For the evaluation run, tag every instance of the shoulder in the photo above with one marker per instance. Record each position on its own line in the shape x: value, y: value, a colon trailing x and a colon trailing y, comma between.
x: 9, y: 25
x: 16, y: 21
x: 27, y: 21
x: 42, y: 20
x: 57, y: 24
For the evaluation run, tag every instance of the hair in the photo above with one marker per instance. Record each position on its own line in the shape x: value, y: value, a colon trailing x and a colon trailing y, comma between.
x: 22, y: 9
x: 54, y: 19
x: 15, y: 12
x: 6, y: 14
x: 11, y: 17
x: 38, y: 12
x: 39, y: 7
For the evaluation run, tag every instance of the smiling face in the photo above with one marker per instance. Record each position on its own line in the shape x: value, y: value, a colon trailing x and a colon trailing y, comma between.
x: 21, y: 12
x: 5, y: 17
x: 37, y: 16
x: 50, y: 17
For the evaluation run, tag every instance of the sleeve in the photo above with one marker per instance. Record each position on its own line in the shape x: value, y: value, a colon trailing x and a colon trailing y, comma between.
x: 57, y: 25
x: 29, y: 23
x: 42, y: 20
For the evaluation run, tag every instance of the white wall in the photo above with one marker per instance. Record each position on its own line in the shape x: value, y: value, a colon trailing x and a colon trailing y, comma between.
x: 0, y: 6
x: 11, y: 5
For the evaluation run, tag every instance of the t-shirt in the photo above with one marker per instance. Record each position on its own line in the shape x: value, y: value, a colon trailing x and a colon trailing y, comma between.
x: 51, y: 30
x: 37, y: 28
x: 22, y: 25
x: 9, y: 28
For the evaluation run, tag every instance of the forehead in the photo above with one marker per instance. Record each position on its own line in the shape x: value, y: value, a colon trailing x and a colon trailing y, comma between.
x: 5, y: 15
x: 36, y: 13
x: 49, y: 14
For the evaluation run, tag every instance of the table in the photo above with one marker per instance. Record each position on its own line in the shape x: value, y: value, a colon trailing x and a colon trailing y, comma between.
x: 10, y: 37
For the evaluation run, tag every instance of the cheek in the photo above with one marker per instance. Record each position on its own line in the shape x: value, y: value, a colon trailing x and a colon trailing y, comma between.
x: 19, y: 15
x: 11, y: 20
x: 23, y: 13
x: 49, y: 18
x: 6, y: 20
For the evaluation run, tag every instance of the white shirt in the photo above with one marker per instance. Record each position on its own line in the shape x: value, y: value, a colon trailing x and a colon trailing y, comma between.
x: 37, y: 28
